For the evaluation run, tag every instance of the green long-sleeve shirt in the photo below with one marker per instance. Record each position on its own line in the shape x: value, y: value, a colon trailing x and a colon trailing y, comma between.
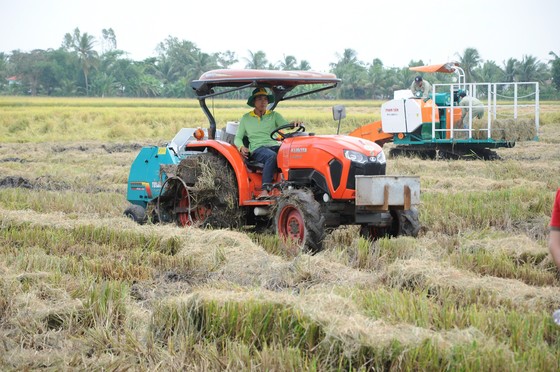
x: 258, y: 129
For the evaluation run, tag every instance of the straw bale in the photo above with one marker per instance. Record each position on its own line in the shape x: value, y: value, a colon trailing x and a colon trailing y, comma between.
x: 505, y: 129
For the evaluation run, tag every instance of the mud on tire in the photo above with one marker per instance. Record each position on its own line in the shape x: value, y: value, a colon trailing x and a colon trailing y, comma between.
x: 299, y: 222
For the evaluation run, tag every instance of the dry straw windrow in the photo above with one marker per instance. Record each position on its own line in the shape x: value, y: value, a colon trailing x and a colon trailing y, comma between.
x: 82, y: 287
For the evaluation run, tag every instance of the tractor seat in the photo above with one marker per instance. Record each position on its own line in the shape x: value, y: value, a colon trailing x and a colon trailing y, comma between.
x: 253, y: 165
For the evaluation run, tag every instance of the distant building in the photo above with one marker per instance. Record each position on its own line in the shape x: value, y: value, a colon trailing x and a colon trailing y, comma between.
x: 13, y: 80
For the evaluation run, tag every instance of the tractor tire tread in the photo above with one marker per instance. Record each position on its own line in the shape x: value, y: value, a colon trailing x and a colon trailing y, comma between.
x: 313, y: 219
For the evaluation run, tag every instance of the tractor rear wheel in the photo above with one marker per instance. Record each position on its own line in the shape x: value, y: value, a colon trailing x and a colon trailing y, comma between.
x: 405, y: 223
x: 373, y: 232
x: 299, y: 223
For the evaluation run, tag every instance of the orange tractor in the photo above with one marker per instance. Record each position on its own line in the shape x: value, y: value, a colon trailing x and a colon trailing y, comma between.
x: 322, y: 181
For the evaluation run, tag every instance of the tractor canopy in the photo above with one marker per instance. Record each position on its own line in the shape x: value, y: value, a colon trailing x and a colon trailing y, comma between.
x: 280, y: 83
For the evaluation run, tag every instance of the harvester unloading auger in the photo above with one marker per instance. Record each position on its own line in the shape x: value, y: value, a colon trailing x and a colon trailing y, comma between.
x: 430, y: 128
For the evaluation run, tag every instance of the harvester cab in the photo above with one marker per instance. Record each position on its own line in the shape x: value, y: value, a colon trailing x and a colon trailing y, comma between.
x: 323, y: 181
x: 446, y: 126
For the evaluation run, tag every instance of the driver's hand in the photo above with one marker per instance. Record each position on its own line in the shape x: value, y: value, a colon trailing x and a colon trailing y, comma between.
x: 244, y: 151
x: 296, y: 124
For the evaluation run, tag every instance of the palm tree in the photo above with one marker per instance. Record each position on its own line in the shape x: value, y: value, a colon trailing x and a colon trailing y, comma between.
x: 83, y: 47
x: 104, y: 85
x: 469, y: 61
x: 348, y: 57
x: 200, y: 63
x: 289, y: 63
x: 509, y: 70
x: 87, y: 55
x: 165, y: 71
x: 530, y: 69
x: 352, y: 72
x: 178, y: 55
x: 109, y: 40
x: 555, y: 69
x: 376, y: 75
x: 256, y: 60
x: 226, y: 59
x: 304, y: 65
x: 491, y: 72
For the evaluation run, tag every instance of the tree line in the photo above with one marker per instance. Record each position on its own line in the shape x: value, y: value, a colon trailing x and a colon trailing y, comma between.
x: 86, y: 66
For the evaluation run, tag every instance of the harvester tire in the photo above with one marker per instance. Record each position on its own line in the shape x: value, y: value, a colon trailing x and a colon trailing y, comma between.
x: 299, y: 223
x: 487, y: 154
x: 136, y: 213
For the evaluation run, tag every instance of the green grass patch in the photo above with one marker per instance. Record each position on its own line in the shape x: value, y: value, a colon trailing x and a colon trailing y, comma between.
x: 453, y: 212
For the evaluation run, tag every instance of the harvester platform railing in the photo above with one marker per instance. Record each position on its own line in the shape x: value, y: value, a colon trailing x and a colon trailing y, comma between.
x: 503, y: 103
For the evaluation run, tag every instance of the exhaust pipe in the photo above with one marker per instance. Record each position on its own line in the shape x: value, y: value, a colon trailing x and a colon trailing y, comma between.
x: 261, y: 211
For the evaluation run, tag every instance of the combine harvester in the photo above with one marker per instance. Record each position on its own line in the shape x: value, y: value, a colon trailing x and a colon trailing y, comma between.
x: 430, y: 128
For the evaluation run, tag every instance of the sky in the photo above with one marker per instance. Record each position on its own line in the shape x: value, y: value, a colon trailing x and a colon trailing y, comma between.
x: 395, y: 31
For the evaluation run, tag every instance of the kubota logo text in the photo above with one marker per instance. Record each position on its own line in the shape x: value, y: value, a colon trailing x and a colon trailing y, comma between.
x: 298, y: 149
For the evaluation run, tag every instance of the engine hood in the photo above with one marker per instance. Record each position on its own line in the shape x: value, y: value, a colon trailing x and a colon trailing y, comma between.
x: 336, y: 143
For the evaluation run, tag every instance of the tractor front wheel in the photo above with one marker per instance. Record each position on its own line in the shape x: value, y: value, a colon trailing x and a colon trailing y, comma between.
x: 299, y: 223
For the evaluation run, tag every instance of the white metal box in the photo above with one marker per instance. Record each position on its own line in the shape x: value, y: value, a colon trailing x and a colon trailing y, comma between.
x: 385, y: 191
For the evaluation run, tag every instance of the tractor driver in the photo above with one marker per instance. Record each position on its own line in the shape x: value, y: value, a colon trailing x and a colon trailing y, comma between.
x: 420, y: 87
x: 257, y: 126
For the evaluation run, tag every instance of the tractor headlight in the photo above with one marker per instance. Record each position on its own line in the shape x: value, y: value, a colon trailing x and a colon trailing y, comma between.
x: 360, y: 158
x: 355, y: 156
x: 380, y: 158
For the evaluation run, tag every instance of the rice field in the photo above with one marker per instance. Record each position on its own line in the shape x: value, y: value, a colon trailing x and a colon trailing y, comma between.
x: 83, y: 288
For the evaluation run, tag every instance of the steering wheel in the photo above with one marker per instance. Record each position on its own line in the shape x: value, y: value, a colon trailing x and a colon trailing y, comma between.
x: 277, y: 136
